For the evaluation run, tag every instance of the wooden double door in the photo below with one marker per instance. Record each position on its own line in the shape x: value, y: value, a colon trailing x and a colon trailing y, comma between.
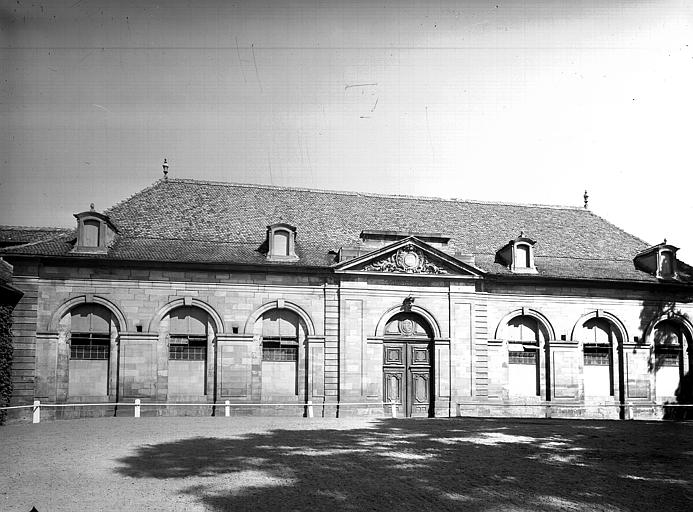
x: 408, y: 376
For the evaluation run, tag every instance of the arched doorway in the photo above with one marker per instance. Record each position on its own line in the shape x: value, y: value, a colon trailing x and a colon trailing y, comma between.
x: 408, y: 364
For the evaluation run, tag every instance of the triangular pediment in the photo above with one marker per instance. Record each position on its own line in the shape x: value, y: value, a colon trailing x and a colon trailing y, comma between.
x: 410, y: 257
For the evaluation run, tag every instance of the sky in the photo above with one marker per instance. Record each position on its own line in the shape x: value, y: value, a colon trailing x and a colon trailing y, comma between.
x: 522, y: 102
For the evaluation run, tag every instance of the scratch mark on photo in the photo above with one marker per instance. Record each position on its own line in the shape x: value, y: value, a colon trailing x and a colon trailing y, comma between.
x: 240, y: 61
x: 257, y: 74
x: 349, y: 86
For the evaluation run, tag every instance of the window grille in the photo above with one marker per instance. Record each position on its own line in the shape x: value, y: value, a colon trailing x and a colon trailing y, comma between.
x: 279, y: 349
x: 668, y: 356
x: 597, y: 355
x: 522, y: 357
x: 187, y: 348
x: 89, y: 346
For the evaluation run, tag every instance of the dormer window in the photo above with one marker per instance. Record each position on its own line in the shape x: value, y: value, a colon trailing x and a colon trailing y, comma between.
x: 281, y: 238
x: 658, y: 260
x: 94, y: 232
x: 518, y: 255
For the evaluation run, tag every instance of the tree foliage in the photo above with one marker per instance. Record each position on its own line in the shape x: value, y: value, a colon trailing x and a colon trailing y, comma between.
x: 5, y: 358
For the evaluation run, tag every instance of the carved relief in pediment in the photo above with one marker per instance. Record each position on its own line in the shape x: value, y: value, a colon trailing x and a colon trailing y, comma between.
x: 409, y: 260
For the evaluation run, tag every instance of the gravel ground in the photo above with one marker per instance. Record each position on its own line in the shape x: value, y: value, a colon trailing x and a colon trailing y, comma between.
x: 215, y: 464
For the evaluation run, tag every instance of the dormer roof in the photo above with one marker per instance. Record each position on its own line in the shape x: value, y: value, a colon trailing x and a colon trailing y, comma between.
x: 95, y: 232
x: 651, y: 260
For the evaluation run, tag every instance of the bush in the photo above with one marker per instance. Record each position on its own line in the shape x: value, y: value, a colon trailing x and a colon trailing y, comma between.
x: 5, y: 358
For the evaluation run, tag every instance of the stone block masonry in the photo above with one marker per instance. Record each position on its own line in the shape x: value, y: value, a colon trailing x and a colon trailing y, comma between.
x: 340, y: 357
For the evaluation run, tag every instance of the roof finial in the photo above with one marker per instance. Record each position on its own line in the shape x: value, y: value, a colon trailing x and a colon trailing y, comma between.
x: 665, y: 241
x: 522, y: 233
x: 91, y: 207
x: 165, y: 166
x: 586, y: 198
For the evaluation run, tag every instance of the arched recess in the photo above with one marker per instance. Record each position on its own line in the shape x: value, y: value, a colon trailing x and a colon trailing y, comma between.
x: 385, y: 318
x: 681, y: 319
x: 669, y: 338
x: 154, y: 323
x: 279, y: 304
x: 613, y: 319
x: 83, y: 299
x: 541, y: 319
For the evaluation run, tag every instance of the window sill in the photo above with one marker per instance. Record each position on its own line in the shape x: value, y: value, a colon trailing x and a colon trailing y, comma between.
x: 282, y: 259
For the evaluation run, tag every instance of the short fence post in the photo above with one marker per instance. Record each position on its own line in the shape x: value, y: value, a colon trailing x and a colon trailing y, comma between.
x: 458, y: 410
x: 137, y: 407
x: 548, y: 411
x: 394, y: 408
x: 227, y: 408
x: 310, y: 408
x: 37, y: 411
x: 630, y: 410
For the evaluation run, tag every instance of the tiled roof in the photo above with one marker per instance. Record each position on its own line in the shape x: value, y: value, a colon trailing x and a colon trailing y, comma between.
x: 181, y: 220
x: 18, y: 235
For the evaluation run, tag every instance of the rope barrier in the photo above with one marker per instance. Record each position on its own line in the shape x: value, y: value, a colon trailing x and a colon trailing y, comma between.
x: 137, y: 404
x: 206, y: 404
x: 309, y: 405
x: 583, y: 406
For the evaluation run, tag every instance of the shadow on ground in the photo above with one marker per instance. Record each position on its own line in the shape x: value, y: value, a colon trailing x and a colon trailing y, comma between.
x: 446, y: 464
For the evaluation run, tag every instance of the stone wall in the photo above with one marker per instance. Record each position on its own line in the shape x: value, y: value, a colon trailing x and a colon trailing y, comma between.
x: 341, y: 355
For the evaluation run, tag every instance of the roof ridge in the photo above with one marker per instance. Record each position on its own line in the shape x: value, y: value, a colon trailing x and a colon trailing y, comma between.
x: 132, y: 196
x: 620, y: 229
x: 369, y: 194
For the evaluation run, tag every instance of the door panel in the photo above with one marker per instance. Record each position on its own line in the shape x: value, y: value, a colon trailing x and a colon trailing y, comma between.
x: 420, y: 355
x: 419, y: 402
x: 407, y: 376
x: 393, y: 385
x: 394, y: 355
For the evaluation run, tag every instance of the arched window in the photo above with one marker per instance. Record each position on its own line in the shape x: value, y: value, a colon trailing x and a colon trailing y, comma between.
x: 525, y: 336
x: 90, y: 348
x: 599, y: 338
x: 280, y: 335
x: 281, y: 332
x: 188, y: 335
x: 668, y: 358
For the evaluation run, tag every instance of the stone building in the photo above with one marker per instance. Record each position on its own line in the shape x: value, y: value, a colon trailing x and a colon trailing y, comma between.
x: 202, y: 292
